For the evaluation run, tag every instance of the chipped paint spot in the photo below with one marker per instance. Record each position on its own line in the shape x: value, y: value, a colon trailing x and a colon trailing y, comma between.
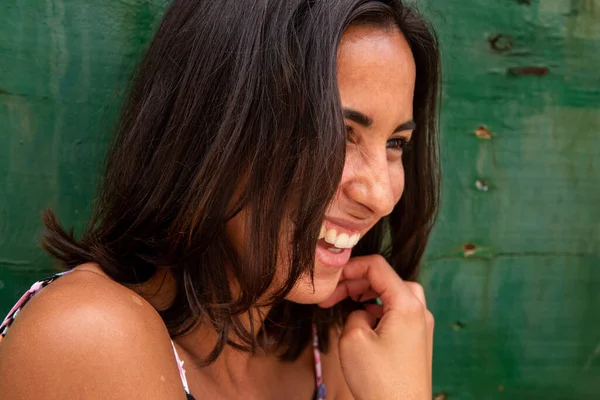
x: 482, y: 186
x: 469, y: 249
x: 531, y: 70
x: 482, y: 132
x: 501, y: 42
x: 458, y: 326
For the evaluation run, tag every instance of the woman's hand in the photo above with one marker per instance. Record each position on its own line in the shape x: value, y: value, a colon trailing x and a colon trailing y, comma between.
x: 393, y: 359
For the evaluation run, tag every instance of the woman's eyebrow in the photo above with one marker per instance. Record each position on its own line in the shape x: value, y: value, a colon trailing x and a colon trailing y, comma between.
x: 367, y: 121
x: 358, y: 117
x: 406, y: 126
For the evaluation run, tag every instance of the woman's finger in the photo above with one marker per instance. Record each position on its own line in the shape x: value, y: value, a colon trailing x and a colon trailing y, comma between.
x: 344, y: 289
x: 366, y: 296
x: 374, y: 309
x: 418, y: 291
x: 383, y: 280
x: 358, y: 290
x: 360, y: 319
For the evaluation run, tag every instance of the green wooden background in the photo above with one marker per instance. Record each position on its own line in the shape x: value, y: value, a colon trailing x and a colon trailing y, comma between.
x: 512, y: 273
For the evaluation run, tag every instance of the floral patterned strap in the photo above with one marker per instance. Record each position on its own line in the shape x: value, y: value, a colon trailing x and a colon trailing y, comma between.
x: 321, y: 392
x: 181, y: 370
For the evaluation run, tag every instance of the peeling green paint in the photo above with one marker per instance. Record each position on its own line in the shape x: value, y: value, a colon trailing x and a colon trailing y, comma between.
x: 512, y: 272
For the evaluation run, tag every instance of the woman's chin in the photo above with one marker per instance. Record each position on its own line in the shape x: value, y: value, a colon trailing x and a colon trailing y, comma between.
x: 324, y: 285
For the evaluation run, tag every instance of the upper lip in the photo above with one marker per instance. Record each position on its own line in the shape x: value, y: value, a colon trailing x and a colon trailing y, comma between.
x: 349, y: 225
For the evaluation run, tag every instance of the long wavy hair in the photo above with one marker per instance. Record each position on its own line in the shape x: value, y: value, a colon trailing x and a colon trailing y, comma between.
x: 235, y: 105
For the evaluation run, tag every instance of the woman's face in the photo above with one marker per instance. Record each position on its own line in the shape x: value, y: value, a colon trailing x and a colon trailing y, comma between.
x: 376, y: 79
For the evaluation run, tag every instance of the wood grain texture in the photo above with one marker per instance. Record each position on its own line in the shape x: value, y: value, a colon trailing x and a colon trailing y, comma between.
x: 63, y: 71
x: 512, y: 272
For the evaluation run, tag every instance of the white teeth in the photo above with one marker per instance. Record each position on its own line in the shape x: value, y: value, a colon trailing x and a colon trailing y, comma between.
x: 341, y: 241
x: 330, y: 236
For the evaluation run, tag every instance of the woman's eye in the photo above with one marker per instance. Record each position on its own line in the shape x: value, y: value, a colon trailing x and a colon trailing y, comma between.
x: 399, y: 144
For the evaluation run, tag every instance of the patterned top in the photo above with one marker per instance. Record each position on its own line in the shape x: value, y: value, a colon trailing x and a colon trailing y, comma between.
x: 36, y: 287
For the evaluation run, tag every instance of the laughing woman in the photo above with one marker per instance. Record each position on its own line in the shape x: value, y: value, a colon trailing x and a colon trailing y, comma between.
x: 265, y: 205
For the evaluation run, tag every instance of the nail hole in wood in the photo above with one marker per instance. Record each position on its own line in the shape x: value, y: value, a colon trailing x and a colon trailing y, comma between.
x: 458, y: 325
x: 469, y: 249
x: 482, y: 132
x: 482, y: 186
x: 501, y: 42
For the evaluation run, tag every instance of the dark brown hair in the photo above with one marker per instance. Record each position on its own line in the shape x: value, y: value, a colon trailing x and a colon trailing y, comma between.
x: 235, y: 105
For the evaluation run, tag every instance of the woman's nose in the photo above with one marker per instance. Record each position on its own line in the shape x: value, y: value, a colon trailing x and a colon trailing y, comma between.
x: 371, y: 184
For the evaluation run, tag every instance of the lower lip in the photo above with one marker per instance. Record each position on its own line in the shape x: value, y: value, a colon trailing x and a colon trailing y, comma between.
x: 329, y: 259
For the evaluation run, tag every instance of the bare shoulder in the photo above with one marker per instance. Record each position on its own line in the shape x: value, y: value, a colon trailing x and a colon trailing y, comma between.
x: 87, y: 336
x: 332, y: 370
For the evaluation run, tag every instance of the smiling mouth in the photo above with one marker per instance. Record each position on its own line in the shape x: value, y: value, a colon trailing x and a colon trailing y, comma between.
x: 337, y: 241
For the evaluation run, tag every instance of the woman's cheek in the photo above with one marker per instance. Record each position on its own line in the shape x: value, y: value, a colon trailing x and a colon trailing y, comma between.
x: 397, y: 181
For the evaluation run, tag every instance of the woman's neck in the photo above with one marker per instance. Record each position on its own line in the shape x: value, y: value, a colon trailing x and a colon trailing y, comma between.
x: 232, y: 365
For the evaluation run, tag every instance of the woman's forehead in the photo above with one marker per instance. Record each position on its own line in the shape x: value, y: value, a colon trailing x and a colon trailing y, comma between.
x: 376, y: 72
